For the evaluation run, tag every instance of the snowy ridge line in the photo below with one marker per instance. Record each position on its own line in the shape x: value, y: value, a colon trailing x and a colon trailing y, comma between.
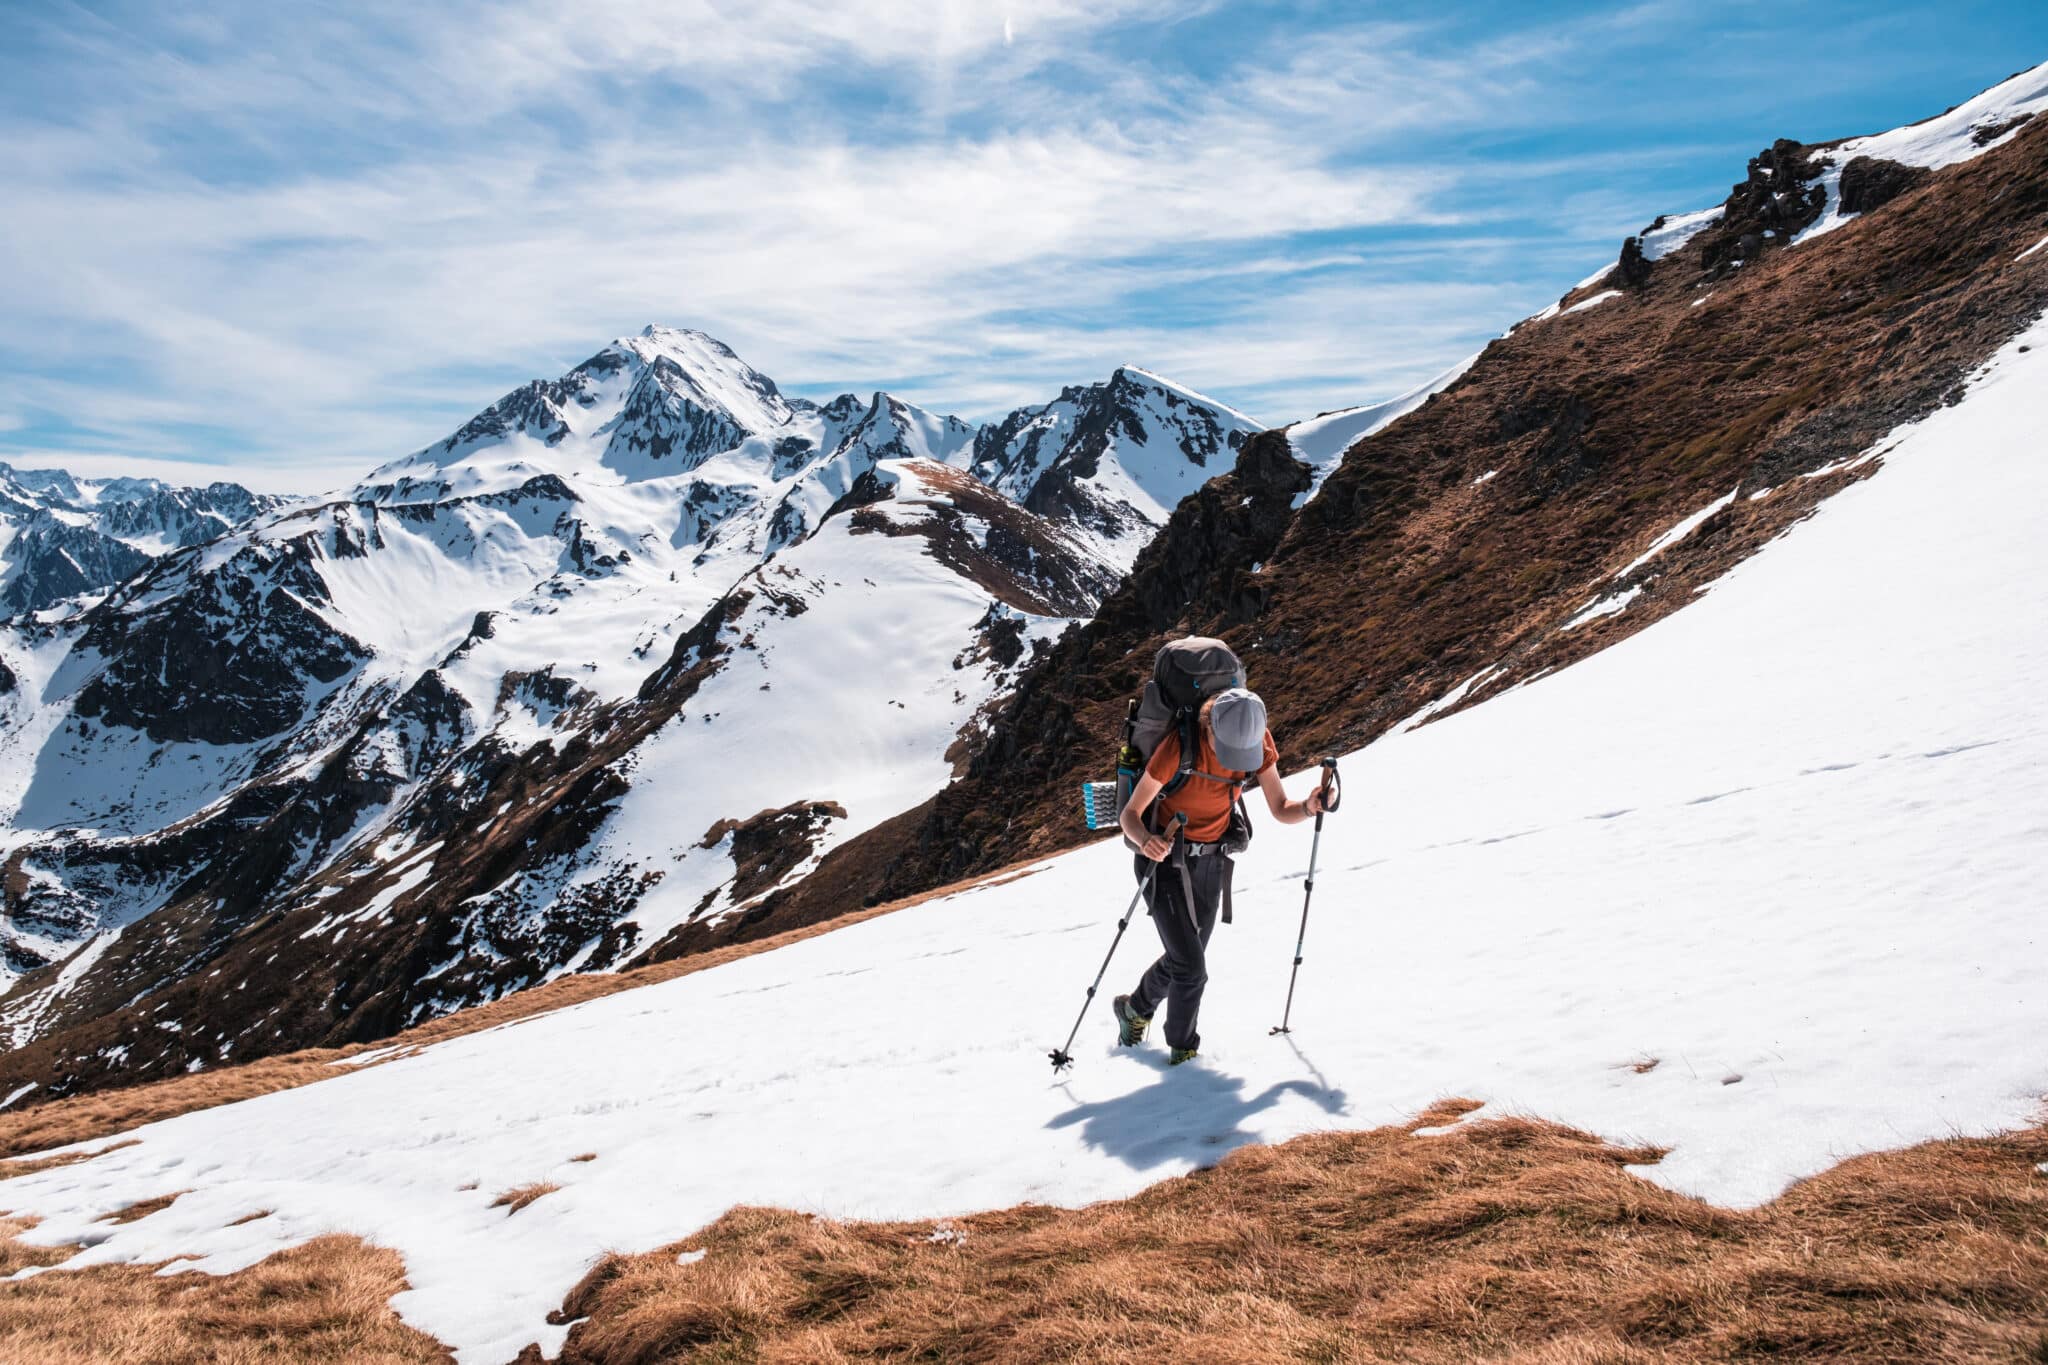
x: 1321, y: 441
x: 1841, y: 966
x: 1944, y: 140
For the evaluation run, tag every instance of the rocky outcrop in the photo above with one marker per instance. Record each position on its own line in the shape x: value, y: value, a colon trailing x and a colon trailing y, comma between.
x: 1870, y: 182
x: 1633, y: 270
x: 1777, y: 199
x: 175, y: 675
x: 768, y: 846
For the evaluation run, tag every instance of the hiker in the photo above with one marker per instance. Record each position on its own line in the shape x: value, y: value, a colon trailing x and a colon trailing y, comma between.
x: 1190, y: 864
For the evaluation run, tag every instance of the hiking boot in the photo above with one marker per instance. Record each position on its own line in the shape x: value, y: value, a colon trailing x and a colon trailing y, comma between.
x: 1130, y: 1028
x: 1181, y: 1054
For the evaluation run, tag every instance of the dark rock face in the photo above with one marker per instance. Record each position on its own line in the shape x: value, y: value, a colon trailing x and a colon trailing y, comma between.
x: 660, y: 419
x: 1986, y: 134
x: 766, y: 847
x: 53, y: 561
x: 68, y: 541
x: 1869, y: 182
x: 1633, y: 270
x: 1043, y: 456
x: 533, y: 409
x: 175, y: 674
x: 1770, y: 206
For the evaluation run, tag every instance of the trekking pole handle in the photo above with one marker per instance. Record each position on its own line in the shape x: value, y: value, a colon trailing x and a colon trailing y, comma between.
x: 1332, y: 786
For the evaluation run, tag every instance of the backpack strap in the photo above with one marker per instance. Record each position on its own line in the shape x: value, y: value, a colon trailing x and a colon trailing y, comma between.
x: 1184, y: 724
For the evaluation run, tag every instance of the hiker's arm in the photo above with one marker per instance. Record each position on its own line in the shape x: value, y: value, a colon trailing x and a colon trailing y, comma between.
x: 1285, y: 811
x: 1153, y: 846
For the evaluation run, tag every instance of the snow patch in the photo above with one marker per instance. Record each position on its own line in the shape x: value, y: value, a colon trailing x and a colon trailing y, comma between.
x: 1611, y: 605
x: 1940, y: 141
x: 1657, y: 243
x: 1676, y: 534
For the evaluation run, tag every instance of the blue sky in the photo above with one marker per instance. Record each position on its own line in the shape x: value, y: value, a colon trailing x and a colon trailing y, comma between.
x: 299, y: 240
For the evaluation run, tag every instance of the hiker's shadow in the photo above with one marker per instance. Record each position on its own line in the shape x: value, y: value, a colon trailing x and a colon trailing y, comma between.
x: 1190, y: 1114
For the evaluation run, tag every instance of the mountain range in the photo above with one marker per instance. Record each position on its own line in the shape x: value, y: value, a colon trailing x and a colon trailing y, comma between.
x: 581, y: 682
x: 61, y: 537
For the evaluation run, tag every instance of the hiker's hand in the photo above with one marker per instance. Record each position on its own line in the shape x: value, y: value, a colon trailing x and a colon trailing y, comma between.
x: 1156, y: 848
x: 1314, y: 803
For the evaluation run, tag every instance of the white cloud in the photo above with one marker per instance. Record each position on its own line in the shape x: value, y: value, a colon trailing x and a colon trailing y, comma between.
x: 992, y: 244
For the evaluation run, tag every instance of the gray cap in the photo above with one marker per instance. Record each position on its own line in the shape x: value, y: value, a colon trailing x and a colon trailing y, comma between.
x: 1237, y: 720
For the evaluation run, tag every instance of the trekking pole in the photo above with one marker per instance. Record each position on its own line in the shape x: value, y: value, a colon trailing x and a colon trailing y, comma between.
x: 1332, y: 788
x: 1061, y: 1057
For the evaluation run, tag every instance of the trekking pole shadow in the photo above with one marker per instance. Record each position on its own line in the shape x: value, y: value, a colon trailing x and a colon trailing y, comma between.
x: 1322, y: 1081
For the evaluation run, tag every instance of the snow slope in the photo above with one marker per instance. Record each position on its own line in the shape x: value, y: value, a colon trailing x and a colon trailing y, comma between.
x: 1759, y: 844
x: 849, y: 673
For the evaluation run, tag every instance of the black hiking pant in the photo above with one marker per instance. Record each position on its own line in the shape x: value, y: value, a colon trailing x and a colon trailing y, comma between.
x: 1177, y: 978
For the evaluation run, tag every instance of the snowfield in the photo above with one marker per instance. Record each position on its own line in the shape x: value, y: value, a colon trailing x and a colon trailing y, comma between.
x: 1760, y: 884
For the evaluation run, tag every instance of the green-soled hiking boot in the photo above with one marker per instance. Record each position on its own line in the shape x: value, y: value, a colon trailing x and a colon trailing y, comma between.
x: 1181, y: 1054
x: 1130, y: 1028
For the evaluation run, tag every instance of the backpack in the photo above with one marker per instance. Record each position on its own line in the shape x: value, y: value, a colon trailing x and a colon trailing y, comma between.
x: 1185, y: 673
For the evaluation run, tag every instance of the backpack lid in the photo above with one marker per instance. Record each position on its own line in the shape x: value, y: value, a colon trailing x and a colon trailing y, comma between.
x: 1189, y: 672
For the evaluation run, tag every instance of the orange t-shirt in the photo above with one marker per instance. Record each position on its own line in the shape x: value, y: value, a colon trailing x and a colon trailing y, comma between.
x: 1206, y: 801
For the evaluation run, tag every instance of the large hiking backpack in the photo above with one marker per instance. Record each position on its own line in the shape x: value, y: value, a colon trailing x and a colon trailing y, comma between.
x: 1185, y: 673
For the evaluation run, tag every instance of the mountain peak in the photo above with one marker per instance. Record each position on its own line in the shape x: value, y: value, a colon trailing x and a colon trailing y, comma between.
x: 1144, y: 378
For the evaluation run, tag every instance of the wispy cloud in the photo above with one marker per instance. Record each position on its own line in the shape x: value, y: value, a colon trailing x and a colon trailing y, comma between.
x: 314, y: 237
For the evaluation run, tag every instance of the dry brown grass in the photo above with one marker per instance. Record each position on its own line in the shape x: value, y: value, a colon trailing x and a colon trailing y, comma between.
x: 519, y: 1196
x: 62, y: 1122
x: 142, y: 1208
x: 1507, y: 1240
x: 327, y: 1301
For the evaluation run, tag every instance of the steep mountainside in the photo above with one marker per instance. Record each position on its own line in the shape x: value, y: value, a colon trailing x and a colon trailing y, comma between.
x: 386, y: 755
x: 1589, y: 472
x: 62, y: 536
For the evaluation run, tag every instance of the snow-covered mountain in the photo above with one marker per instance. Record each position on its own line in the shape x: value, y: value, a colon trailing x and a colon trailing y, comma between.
x: 536, y: 636
x: 1679, y: 895
x: 62, y: 536
x: 1113, y: 458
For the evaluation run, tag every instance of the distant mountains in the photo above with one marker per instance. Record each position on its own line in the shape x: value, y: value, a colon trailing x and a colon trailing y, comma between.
x: 587, y: 680
x: 62, y: 536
